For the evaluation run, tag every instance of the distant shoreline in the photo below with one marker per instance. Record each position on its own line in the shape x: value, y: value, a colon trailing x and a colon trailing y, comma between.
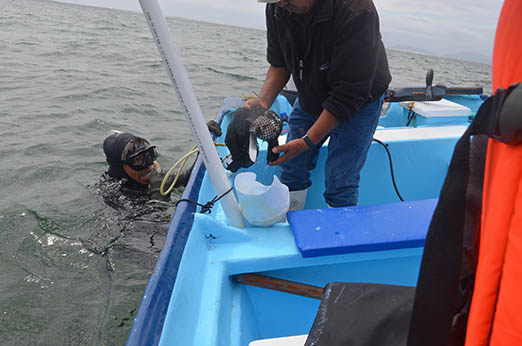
x: 406, y: 50
x: 478, y: 60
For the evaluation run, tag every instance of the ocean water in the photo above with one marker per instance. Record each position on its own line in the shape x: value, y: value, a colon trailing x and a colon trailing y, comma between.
x: 73, y: 265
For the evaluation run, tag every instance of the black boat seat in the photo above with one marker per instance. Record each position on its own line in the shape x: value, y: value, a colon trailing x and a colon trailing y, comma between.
x: 362, y: 314
x: 348, y: 315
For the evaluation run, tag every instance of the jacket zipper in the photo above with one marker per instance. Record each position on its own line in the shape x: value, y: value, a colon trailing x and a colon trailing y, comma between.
x: 301, y: 70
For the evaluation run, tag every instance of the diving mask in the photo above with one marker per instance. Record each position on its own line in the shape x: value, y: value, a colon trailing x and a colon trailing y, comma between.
x: 142, y: 158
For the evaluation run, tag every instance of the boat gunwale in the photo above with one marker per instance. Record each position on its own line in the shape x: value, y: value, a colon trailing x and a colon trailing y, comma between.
x: 150, y: 317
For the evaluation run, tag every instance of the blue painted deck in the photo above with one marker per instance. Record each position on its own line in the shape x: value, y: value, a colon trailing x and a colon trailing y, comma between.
x: 206, y: 307
x: 216, y: 311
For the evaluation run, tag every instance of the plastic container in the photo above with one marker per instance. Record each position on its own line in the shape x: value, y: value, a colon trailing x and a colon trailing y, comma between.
x: 260, y: 204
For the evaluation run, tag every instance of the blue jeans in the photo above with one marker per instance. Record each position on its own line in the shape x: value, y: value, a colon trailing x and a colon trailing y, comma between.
x: 347, y: 151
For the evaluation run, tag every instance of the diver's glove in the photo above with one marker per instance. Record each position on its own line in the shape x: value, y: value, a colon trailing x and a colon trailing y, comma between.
x: 156, y: 178
x: 247, y: 125
x: 214, y: 127
x: 268, y: 128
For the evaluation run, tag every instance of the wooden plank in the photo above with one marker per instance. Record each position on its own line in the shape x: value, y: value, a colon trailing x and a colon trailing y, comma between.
x: 280, y: 285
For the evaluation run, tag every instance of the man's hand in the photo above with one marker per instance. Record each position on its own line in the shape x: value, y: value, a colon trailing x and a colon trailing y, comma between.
x: 253, y: 102
x: 290, y: 150
x: 320, y: 129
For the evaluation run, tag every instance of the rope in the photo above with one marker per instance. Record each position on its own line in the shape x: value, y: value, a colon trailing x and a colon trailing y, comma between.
x: 207, y: 207
x: 181, y: 162
x: 253, y: 95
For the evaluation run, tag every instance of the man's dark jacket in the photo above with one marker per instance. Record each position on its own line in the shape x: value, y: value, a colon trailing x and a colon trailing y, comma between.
x: 337, y: 59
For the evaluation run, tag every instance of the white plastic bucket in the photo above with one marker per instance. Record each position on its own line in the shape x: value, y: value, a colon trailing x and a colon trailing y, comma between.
x: 261, y: 205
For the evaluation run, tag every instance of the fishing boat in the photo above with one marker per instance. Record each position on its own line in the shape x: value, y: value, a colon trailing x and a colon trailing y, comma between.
x: 379, y: 241
x: 218, y: 284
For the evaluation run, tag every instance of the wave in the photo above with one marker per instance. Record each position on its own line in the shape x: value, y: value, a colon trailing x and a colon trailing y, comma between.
x: 234, y: 76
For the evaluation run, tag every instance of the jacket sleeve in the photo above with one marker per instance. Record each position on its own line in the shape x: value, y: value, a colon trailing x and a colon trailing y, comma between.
x: 353, y: 65
x: 274, y: 54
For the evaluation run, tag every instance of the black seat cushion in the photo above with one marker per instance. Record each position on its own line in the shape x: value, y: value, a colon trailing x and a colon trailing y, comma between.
x: 362, y: 314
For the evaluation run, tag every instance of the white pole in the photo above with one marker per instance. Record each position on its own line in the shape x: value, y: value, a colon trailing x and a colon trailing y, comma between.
x: 178, y: 76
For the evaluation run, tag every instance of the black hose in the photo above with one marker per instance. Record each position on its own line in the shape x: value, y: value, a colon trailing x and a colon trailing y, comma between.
x: 391, y: 168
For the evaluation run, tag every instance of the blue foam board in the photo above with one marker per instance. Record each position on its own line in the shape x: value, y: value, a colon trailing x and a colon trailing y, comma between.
x: 321, y: 232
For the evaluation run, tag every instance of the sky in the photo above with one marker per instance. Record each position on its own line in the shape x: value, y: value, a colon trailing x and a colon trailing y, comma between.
x: 463, y: 29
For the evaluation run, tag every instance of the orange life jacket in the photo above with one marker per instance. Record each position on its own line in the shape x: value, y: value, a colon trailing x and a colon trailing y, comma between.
x: 496, y: 309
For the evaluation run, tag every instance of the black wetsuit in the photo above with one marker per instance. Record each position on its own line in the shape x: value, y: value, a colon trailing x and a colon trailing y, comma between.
x: 132, y: 220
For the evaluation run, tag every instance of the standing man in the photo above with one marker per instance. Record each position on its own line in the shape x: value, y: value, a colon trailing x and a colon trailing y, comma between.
x: 334, y: 52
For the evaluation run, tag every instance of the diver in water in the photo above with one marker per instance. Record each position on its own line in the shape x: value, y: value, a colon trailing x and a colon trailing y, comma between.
x: 132, y: 162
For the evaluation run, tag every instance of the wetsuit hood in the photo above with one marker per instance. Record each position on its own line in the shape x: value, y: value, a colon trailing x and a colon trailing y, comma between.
x: 113, y: 147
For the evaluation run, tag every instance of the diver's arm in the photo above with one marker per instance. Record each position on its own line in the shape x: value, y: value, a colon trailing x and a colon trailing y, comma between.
x: 276, y: 79
x: 157, y: 178
x: 184, y: 177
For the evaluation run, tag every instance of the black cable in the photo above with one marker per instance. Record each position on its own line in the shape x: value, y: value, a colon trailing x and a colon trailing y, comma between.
x: 410, y: 118
x: 391, y: 168
x: 207, y: 207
